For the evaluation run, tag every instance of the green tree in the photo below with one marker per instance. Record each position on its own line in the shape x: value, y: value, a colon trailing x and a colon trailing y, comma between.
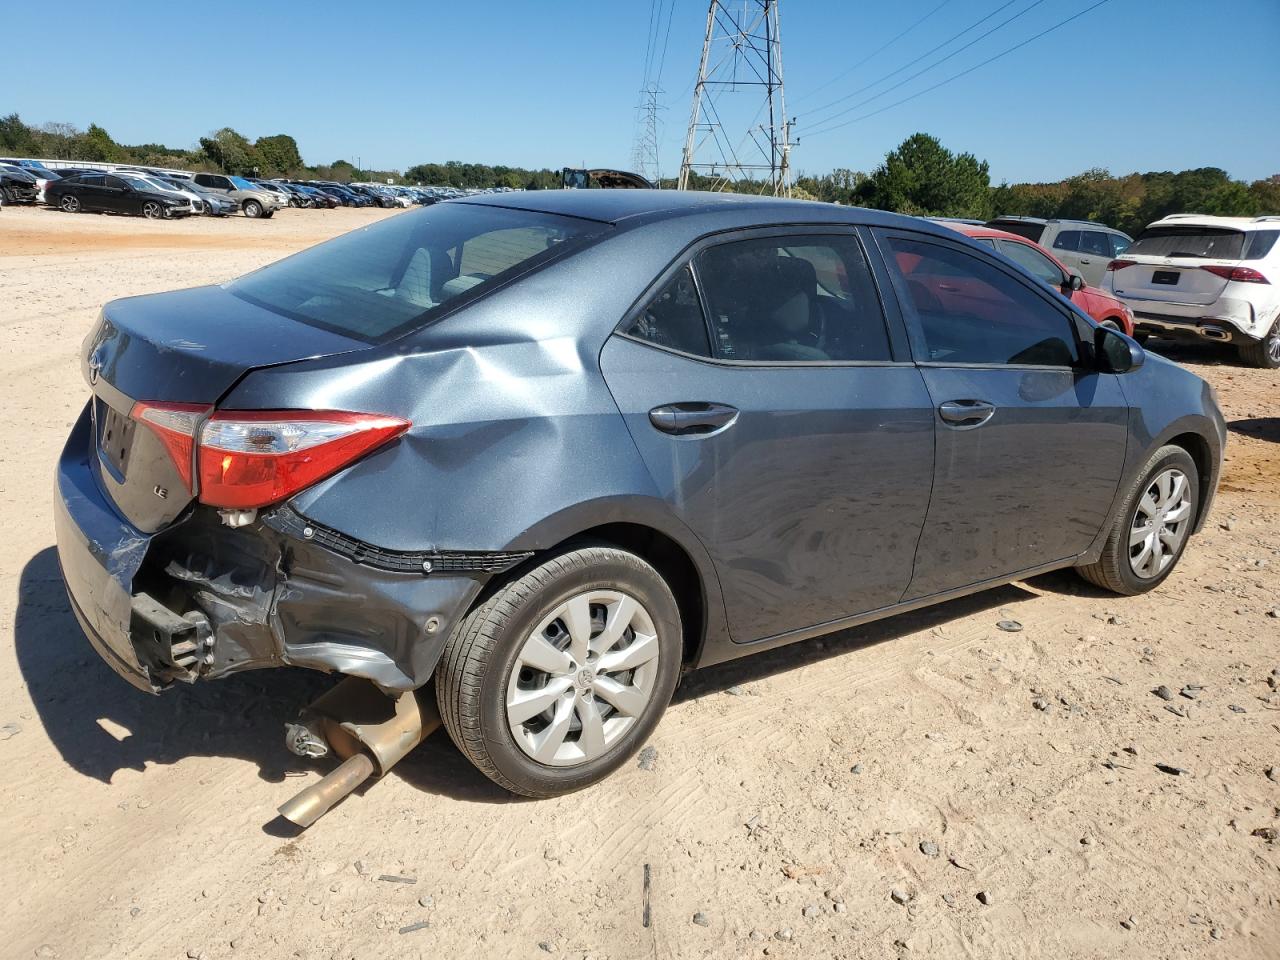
x: 16, y: 136
x: 277, y: 155
x: 96, y: 144
x: 229, y: 151
x: 925, y: 178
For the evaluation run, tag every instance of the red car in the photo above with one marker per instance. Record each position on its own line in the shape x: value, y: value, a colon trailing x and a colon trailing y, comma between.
x: 1104, y: 308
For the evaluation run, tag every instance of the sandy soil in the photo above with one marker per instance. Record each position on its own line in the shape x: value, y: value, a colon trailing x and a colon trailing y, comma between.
x: 793, y: 793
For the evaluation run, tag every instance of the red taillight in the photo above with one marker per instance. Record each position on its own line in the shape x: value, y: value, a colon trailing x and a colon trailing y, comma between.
x: 254, y: 458
x: 1120, y: 265
x: 175, y: 425
x: 1238, y: 274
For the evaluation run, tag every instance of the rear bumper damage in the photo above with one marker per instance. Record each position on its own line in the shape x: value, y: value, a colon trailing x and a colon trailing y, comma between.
x: 203, y: 600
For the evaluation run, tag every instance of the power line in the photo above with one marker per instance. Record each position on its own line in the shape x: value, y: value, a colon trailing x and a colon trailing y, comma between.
x: 874, y: 53
x: 966, y: 72
x: 665, y: 40
x: 648, y: 47
x: 937, y: 63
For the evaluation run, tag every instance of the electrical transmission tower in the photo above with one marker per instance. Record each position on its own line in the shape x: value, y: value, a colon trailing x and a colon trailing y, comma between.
x: 741, y: 54
x: 645, y: 154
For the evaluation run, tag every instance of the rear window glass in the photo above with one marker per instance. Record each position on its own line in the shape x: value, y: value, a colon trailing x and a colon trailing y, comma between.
x: 1208, y: 243
x: 384, y: 280
x: 1032, y: 231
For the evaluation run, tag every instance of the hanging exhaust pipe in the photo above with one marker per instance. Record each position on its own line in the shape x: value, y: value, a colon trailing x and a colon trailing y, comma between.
x: 369, y: 730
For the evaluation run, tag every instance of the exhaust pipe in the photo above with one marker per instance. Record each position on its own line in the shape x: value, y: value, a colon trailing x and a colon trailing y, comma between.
x: 369, y: 730
x: 1211, y: 332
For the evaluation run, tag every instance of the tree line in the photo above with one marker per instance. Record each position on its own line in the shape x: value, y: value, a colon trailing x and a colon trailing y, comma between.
x: 920, y: 176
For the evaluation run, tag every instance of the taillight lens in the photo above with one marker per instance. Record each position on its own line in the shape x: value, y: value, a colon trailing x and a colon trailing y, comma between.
x: 175, y: 425
x: 1238, y: 274
x: 254, y: 458
x: 1120, y: 265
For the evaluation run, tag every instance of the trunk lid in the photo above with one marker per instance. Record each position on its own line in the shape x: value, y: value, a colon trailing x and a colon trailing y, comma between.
x: 1168, y: 264
x: 189, y: 346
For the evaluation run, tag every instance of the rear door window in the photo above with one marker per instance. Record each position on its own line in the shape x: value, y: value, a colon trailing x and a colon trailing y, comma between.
x: 1032, y: 260
x: 673, y: 318
x: 1095, y: 242
x: 386, y: 279
x: 792, y: 299
x: 1067, y: 240
x: 1119, y: 244
x: 1207, y: 243
x: 969, y: 311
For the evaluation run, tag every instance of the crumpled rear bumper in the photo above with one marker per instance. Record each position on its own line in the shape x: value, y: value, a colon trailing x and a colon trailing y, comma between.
x: 269, y: 594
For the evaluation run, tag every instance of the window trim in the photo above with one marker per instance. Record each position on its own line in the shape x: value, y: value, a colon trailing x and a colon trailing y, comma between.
x: 915, y: 333
x: 690, y: 252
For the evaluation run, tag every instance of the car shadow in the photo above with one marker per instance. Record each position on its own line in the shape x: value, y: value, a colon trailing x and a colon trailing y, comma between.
x: 1206, y: 352
x: 1258, y: 428
x: 101, y: 725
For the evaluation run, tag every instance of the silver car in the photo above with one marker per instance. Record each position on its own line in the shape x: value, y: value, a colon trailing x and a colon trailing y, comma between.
x: 254, y: 200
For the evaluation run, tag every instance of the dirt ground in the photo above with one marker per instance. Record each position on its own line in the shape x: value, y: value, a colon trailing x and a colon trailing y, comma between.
x: 796, y: 795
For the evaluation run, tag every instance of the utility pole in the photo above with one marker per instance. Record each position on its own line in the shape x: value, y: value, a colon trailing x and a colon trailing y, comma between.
x: 742, y: 54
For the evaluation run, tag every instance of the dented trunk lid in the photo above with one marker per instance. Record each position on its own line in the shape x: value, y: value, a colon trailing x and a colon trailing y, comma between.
x: 189, y: 346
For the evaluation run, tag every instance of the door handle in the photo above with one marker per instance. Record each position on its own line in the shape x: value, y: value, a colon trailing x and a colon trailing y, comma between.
x: 965, y: 414
x: 1085, y: 260
x: 692, y: 419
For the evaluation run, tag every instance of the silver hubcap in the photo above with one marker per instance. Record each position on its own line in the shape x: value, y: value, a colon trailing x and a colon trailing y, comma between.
x: 583, y: 678
x: 1273, y: 343
x: 1160, y: 524
x: 151, y: 210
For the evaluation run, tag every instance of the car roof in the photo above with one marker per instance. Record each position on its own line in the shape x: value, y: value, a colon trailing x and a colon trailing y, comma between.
x: 617, y: 206
x: 1041, y: 220
x: 973, y: 230
x: 1205, y: 220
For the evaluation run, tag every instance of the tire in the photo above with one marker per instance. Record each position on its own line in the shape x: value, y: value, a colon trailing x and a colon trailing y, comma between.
x: 268, y: 215
x: 1117, y: 567
x: 153, y: 210
x: 69, y: 203
x: 1111, y: 325
x: 486, y: 663
x: 252, y: 209
x: 1264, y: 353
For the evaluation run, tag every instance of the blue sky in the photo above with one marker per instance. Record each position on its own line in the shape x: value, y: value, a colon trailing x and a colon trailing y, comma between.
x: 1133, y: 85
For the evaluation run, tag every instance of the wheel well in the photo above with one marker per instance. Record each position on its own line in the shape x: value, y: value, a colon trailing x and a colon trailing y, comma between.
x: 1196, y: 445
x: 672, y: 562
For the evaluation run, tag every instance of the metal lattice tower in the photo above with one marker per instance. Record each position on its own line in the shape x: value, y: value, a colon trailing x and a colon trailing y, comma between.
x: 648, y: 134
x: 741, y: 54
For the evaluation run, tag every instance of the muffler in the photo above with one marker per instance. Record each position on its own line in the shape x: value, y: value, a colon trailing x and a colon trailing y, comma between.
x: 1212, y: 332
x: 369, y: 730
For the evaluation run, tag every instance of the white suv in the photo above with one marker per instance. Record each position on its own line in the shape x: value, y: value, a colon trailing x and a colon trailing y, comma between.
x: 1211, y: 277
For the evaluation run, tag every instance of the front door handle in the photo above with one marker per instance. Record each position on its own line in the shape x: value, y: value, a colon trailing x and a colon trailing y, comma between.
x: 1085, y: 260
x: 692, y: 419
x: 964, y: 414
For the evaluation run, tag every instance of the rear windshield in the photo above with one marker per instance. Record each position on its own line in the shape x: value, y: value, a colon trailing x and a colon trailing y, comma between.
x: 1032, y: 231
x: 384, y: 280
x: 1207, y: 243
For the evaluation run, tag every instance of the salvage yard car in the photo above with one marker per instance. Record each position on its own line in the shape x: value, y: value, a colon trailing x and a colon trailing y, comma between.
x: 254, y: 201
x: 547, y: 451
x: 96, y: 192
x: 1213, y: 278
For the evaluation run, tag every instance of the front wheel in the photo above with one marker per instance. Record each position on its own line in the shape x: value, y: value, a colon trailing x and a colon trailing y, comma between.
x: 1152, y: 526
x: 560, y: 675
x: 69, y: 203
x: 152, y: 210
x: 252, y: 209
x: 1264, y: 353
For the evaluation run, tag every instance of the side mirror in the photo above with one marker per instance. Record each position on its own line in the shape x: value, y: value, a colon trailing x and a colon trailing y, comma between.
x: 1074, y: 282
x: 1116, y: 353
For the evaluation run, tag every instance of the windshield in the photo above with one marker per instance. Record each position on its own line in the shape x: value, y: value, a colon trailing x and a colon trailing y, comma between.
x: 389, y: 278
x: 1202, y: 243
x: 141, y: 183
x: 242, y: 183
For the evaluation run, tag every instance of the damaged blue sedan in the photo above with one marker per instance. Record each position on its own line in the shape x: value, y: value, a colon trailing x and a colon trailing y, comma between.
x: 525, y: 458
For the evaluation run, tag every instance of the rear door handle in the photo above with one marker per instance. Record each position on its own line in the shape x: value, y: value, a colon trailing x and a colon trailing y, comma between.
x: 965, y: 414
x: 692, y: 419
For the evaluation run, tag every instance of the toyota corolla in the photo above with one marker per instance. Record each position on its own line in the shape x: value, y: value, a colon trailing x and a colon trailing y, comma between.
x: 531, y: 456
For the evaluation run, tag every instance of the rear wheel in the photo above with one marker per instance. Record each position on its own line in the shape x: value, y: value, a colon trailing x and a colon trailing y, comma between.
x: 1264, y: 353
x: 69, y: 203
x: 1151, y: 529
x: 252, y: 209
x: 152, y: 210
x: 559, y: 676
